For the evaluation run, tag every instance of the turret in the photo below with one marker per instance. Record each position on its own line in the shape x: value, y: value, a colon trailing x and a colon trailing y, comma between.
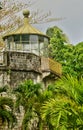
x: 27, y: 39
x: 25, y: 56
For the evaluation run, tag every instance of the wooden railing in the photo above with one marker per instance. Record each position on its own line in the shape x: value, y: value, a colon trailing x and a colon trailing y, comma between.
x: 48, y: 64
x: 55, y: 66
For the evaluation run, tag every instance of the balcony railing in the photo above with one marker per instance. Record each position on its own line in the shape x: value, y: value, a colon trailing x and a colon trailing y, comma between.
x: 50, y: 65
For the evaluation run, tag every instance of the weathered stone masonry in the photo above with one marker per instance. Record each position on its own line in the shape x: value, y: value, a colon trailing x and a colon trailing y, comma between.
x: 20, y: 66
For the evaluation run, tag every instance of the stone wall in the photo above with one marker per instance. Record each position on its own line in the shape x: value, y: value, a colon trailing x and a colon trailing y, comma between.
x: 19, y: 76
x: 24, y: 61
x: 4, y: 78
x: 19, y: 66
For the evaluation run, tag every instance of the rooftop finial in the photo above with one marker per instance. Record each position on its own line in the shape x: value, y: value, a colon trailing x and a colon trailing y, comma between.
x: 26, y: 13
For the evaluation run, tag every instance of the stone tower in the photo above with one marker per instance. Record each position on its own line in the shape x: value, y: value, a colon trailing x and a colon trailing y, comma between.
x: 26, y: 56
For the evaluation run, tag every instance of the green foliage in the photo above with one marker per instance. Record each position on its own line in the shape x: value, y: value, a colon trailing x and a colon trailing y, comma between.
x: 78, y: 59
x: 58, y: 33
x: 70, y: 56
x: 64, y: 111
x: 6, y: 109
x: 29, y: 96
x: 3, y: 89
x: 9, y: 117
x: 58, y: 107
x: 26, y: 93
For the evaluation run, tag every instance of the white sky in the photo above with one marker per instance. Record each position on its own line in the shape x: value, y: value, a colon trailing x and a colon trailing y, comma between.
x: 72, y: 10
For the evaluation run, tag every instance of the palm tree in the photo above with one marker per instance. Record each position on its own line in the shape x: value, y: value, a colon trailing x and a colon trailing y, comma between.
x: 65, y: 110
x: 7, y: 117
x: 29, y: 95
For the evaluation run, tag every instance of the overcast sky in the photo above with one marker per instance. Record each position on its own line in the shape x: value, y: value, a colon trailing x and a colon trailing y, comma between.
x: 72, y: 10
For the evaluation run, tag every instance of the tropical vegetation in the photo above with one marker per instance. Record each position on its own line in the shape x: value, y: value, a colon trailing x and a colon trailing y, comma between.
x: 64, y: 111
x: 69, y: 55
x: 58, y: 106
x: 7, y: 116
x: 29, y: 95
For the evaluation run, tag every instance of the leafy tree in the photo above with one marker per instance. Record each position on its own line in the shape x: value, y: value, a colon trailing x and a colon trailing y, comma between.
x: 7, y: 116
x: 68, y: 55
x: 57, y: 33
x: 29, y: 96
x: 60, y: 49
x: 58, y: 44
x: 64, y: 111
x: 77, y: 60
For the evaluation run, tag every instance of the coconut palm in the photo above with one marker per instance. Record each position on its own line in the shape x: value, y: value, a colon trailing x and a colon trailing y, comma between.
x: 65, y: 110
x: 7, y: 117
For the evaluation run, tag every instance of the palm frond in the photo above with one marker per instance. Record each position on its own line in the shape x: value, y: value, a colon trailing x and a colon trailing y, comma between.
x: 5, y: 101
x: 3, y: 89
x: 8, y: 116
x: 65, y: 108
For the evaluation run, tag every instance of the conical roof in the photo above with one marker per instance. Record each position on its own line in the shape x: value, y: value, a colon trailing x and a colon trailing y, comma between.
x: 26, y: 28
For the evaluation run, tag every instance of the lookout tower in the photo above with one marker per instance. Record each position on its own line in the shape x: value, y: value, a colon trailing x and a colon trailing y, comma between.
x: 26, y: 56
x: 27, y: 39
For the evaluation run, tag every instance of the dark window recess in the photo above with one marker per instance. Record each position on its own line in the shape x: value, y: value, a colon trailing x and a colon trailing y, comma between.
x: 41, y: 38
x: 17, y: 38
x: 25, y: 38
